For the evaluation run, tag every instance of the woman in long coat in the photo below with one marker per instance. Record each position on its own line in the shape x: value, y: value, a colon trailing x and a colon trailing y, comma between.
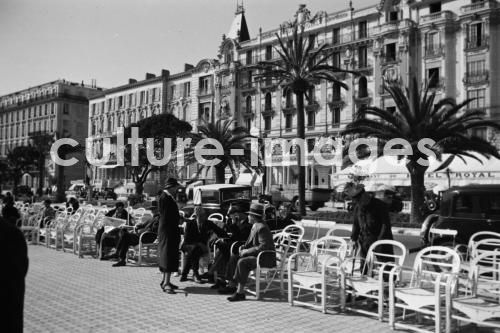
x: 169, y: 235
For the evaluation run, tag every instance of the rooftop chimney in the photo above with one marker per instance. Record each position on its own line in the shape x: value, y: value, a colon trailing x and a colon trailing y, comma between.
x: 130, y: 81
x: 165, y: 73
x: 188, y: 67
x: 150, y: 76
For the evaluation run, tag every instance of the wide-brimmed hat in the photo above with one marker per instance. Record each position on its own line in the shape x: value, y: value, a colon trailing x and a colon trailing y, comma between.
x: 256, y: 209
x: 171, y: 182
x: 386, y: 188
x: 353, y: 190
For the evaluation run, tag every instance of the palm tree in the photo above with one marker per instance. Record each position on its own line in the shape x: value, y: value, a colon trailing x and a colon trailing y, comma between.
x: 230, y: 138
x: 418, y: 117
x: 299, y: 68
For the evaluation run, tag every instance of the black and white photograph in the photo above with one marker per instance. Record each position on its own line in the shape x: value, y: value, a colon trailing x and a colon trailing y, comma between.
x: 250, y: 166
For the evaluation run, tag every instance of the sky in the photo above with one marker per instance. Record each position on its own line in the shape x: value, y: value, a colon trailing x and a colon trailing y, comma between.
x: 114, y: 40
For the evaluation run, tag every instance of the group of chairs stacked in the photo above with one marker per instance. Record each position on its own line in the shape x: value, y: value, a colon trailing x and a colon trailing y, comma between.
x: 76, y: 231
x: 444, y: 288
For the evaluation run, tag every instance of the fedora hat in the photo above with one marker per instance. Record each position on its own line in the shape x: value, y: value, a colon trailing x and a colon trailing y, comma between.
x: 256, y: 209
x: 353, y: 190
x: 171, y: 182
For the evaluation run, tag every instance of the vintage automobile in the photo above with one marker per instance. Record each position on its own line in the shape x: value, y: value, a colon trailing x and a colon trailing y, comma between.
x: 467, y: 209
x: 217, y: 198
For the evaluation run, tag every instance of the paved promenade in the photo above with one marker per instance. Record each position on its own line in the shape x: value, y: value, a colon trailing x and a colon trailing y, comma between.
x: 67, y: 294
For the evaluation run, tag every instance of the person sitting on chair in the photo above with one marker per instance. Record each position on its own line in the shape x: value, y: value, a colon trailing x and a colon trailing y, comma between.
x: 9, y: 212
x: 240, y: 265
x: 239, y: 229
x: 127, y: 239
x: 111, y: 237
x: 48, y: 213
x: 196, y: 235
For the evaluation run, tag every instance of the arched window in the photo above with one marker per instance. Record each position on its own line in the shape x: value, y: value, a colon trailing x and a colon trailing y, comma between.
x: 268, y: 102
x: 289, y: 99
x: 362, y: 87
x: 248, y: 104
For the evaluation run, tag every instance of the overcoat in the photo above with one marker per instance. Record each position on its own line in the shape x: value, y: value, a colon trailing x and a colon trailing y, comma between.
x: 371, y: 222
x: 169, y: 235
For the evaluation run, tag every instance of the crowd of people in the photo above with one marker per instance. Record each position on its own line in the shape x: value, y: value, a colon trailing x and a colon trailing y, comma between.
x: 231, y: 265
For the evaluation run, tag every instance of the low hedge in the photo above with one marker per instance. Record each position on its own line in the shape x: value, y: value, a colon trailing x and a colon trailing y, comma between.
x: 345, y: 217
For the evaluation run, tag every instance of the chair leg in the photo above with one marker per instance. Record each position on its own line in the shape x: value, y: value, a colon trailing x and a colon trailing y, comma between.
x: 323, y: 295
x: 437, y: 315
x: 257, y: 282
x: 290, y: 288
x: 139, y: 260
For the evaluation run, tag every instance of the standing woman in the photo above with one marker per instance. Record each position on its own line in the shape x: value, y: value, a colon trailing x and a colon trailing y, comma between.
x: 169, y: 235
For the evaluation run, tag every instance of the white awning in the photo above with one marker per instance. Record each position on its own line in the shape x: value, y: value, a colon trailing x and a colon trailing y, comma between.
x: 249, y: 179
x: 110, y: 166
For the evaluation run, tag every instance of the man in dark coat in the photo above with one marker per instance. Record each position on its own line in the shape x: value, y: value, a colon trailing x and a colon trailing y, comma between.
x: 371, y: 220
x: 260, y: 239
x: 169, y: 235
x: 110, y: 238
x: 126, y: 239
x: 12, y: 284
x: 197, y: 232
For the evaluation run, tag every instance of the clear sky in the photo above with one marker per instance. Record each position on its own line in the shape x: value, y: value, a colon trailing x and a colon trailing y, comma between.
x: 113, y: 40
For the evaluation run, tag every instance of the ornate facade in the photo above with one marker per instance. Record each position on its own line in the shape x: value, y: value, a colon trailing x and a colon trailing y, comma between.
x: 452, y: 44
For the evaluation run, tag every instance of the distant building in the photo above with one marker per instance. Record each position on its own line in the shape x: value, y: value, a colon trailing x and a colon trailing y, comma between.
x: 188, y: 95
x: 59, y: 108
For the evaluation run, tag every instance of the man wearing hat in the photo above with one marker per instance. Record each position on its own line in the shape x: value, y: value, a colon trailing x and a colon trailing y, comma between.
x: 387, y: 194
x: 260, y: 239
x: 371, y: 220
x: 169, y: 235
x: 238, y: 228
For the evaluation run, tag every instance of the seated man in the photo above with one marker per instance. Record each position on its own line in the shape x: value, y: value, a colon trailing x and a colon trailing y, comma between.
x: 111, y: 237
x: 196, y: 234
x: 238, y: 229
x: 127, y: 239
x: 48, y: 212
x: 240, y: 266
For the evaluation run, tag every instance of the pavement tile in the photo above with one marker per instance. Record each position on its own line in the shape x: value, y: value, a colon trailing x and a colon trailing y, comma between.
x: 65, y: 293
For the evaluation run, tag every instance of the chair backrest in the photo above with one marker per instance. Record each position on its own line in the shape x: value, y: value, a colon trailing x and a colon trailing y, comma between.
x: 384, y: 252
x: 436, y: 232
x: 484, y: 275
x: 329, y: 246
x: 344, y: 232
x: 216, y: 218
x: 294, y: 234
x: 478, y: 236
x: 484, y: 245
x: 431, y: 263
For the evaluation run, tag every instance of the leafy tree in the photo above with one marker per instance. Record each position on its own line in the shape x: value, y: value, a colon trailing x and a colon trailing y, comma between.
x: 21, y: 160
x: 299, y: 68
x: 229, y: 138
x: 157, y: 127
x: 41, y: 141
x: 419, y: 116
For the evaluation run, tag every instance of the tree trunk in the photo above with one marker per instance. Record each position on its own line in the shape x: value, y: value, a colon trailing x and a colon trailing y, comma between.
x: 220, y: 175
x: 139, y: 187
x: 41, y: 167
x: 60, y: 184
x: 417, y: 176
x: 300, y: 152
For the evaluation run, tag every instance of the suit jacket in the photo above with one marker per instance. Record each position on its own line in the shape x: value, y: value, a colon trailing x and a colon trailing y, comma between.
x: 193, y: 234
x: 150, y: 225
x: 261, y: 239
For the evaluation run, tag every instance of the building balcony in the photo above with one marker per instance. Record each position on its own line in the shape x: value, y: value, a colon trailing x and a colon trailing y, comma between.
x: 436, y: 84
x: 268, y: 111
x: 388, y: 59
x: 473, y: 44
x: 432, y: 51
x: 480, y: 77
x: 247, y: 113
x: 312, y: 106
x: 437, y: 17
x: 206, y: 91
x: 394, y: 26
x: 478, y: 6
x: 253, y: 60
x: 247, y: 85
x: 289, y: 109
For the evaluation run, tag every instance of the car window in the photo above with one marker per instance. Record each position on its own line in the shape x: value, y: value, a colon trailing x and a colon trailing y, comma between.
x: 491, y: 205
x: 236, y: 194
x: 210, y: 196
x: 467, y: 205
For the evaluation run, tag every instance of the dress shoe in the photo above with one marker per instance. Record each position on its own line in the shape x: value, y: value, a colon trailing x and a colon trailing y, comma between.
x: 227, y: 290
x: 183, y: 278
x: 236, y: 297
x: 198, y: 279
x: 172, y: 286
x: 120, y: 263
x: 219, y: 284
